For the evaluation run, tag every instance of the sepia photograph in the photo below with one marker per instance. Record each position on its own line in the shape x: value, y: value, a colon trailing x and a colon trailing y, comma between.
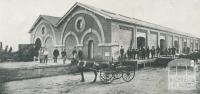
x: 100, y: 47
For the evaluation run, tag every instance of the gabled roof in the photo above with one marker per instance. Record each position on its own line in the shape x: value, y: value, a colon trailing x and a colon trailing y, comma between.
x: 119, y: 17
x: 108, y: 15
x: 51, y: 19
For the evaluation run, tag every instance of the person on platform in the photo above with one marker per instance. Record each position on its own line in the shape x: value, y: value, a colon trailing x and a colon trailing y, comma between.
x: 188, y: 50
x: 184, y: 50
x: 55, y: 54
x: 140, y: 53
x: 40, y: 55
x: 121, y: 56
x: 158, y: 51
x: 46, y: 55
x: 133, y: 53
x: 129, y: 53
x: 64, y: 56
x: 121, y: 51
x: 166, y: 52
x: 143, y: 53
x: 74, y: 52
x: 80, y: 54
x: 137, y: 51
x: 169, y: 51
x: 153, y: 51
x: 147, y: 52
x: 173, y: 52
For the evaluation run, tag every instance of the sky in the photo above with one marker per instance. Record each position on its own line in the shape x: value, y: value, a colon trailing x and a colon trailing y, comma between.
x: 17, y: 16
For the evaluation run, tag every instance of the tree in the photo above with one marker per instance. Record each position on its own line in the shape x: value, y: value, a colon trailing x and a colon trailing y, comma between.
x: 10, y: 50
x: 6, y: 49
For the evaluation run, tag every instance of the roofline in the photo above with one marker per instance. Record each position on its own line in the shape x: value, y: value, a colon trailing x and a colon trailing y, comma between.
x: 175, y: 32
x: 35, y: 23
x: 81, y: 5
x: 156, y: 27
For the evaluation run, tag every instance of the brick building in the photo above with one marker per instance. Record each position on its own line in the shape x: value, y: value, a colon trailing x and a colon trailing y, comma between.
x: 100, y: 33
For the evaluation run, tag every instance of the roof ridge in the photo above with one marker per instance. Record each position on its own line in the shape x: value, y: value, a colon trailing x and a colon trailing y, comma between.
x: 152, y: 25
x: 116, y: 16
x: 49, y: 16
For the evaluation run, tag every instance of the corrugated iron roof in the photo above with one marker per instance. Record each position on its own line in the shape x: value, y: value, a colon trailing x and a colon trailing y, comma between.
x: 113, y: 16
x: 123, y: 18
x: 52, y: 19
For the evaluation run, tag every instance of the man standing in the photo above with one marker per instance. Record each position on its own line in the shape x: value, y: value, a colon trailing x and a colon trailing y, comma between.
x: 134, y: 53
x: 64, y: 55
x: 143, y: 53
x: 188, y: 50
x: 40, y: 55
x: 129, y: 53
x: 170, y: 51
x: 74, y: 52
x: 121, y: 51
x: 173, y: 52
x: 158, y: 51
x: 153, y: 52
x: 55, y: 54
x: 80, y: 54
x: 121, y: 57
x: 46, y: 55
x: 166, y: 52
x: 148, y: 52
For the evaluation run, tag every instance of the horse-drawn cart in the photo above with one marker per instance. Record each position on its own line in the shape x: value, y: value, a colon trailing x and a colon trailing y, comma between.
x: 109, y: 71
x: 126, y: 71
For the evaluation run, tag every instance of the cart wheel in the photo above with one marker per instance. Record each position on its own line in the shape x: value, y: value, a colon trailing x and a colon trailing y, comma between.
x: 128, y: 74
x: 117, y: 74
x: 106, y: 76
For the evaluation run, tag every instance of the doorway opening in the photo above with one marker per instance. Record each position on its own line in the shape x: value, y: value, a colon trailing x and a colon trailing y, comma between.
x: 140, y: 42
x: 38, y: 45
x: 162, y: 44
x: 90, y: 49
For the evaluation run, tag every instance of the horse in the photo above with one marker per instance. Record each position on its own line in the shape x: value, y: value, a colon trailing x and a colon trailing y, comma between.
x: 84, y: 66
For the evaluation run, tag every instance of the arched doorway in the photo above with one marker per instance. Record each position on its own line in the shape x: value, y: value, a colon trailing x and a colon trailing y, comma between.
x: 90, y: 49
x: 38, y: 45
x: 49, y: 46
x: 140, y: 42
x: 70, y: 43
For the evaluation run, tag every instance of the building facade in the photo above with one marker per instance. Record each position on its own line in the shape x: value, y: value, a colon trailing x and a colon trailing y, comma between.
x: 100, y: 33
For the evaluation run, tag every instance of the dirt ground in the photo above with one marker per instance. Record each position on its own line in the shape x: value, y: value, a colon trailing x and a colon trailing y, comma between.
x: 146, y: 81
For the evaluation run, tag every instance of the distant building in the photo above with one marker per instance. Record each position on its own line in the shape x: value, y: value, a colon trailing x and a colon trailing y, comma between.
x: 100, y: 33
x: 22, y: 47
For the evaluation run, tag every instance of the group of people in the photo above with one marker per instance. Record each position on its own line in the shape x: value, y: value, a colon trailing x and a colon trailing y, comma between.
x: 147, y: 53
x: 131, y: 53
x: 77, y: 54
x: 43, y: 55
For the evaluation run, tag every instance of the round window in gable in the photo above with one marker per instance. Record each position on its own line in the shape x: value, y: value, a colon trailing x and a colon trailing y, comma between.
x: 80, y: 24
x: 43, y: 30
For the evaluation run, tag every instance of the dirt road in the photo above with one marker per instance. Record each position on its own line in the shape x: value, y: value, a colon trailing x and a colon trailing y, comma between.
x: 146, y: 81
